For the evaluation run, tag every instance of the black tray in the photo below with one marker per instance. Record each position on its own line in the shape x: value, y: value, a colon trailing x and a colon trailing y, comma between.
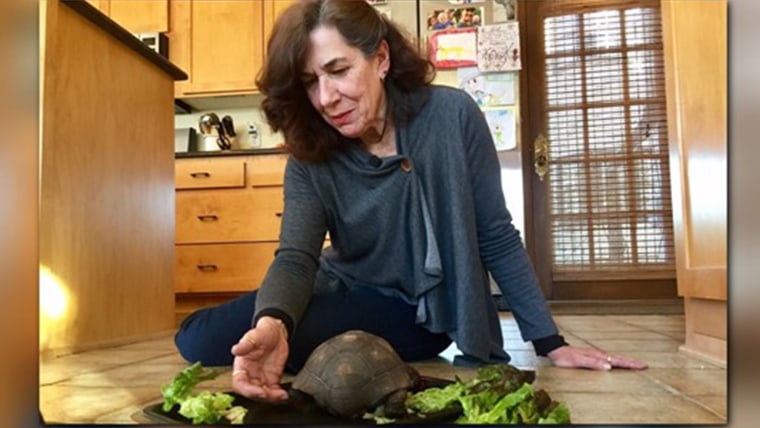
x: 304, y: 412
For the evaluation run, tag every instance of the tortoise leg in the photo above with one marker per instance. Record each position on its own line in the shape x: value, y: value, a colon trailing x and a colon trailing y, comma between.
x: 395, y: 405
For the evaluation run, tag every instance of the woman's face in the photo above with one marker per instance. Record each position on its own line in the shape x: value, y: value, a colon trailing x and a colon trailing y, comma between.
x: 343, y: 86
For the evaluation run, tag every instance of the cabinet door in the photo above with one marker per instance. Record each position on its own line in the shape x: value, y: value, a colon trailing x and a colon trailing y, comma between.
x: 220, y: 44
x: 696, y: 52
x: 137, y: 16
x: 141, y: 16
x: 102, y: 5
x: 272, y: 11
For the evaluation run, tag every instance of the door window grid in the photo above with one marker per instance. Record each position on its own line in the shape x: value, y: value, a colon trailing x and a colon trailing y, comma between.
x: 609, y: 190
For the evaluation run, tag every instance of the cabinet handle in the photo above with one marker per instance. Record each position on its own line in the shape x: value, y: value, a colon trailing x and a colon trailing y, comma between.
x: 278, y: 214
x: 208, y: 218
x: 208, y: 268
x: 200, y: 175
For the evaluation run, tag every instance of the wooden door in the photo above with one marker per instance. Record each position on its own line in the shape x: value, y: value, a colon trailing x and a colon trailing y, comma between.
x: 598, y: 209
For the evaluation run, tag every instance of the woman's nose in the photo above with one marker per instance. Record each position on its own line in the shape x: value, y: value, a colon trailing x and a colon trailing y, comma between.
x: 327, y: 92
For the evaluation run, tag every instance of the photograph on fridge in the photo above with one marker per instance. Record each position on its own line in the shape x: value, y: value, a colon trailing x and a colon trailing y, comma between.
x: 463, y: 17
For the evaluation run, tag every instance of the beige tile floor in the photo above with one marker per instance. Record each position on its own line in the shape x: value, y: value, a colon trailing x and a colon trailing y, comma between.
x: 114, y: 385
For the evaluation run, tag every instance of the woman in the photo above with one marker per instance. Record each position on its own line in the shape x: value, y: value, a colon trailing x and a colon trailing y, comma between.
x: 404, y: 176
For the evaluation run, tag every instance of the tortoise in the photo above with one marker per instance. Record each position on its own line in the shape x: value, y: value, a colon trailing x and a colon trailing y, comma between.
x: 353, y: 373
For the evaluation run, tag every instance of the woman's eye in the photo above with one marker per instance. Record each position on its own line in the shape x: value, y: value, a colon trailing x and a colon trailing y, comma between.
x: 340, y: 71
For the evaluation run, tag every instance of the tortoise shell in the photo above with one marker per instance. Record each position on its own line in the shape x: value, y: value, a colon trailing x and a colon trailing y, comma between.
x: 353, y: 373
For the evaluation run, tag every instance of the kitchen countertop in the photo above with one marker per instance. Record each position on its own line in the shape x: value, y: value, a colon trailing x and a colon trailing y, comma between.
x: 222, y: 153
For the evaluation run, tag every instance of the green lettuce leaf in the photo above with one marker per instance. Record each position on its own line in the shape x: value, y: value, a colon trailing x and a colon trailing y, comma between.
x: 560, y: 415
x: 183, y: 384
x: 498, y: 394
x: 434, y: 400
x: 206, y: 407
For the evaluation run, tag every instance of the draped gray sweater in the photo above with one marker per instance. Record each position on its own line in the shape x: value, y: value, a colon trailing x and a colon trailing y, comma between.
x: 427, y: 225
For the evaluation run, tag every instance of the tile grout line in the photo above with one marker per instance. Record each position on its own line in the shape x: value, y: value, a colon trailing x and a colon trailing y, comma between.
x: 106, y: 369
x: 679, y: 393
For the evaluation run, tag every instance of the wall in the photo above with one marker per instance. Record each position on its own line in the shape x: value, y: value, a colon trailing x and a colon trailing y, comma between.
x: 242, y: 110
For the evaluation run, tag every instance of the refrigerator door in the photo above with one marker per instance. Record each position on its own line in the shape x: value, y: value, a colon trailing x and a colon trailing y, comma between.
x: 436, y: 15
x: 401, y: 12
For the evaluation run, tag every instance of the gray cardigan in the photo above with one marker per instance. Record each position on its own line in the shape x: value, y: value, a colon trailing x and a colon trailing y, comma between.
x: 427, y: 224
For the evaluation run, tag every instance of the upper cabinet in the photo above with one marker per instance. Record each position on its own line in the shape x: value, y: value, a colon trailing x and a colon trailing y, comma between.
x: 137, y: 16
x: 220, y: 44
x: 272, y: 11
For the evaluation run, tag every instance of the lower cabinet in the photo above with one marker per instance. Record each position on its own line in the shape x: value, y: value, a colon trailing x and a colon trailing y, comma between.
x: 228, y: 213
x: 210, y: 268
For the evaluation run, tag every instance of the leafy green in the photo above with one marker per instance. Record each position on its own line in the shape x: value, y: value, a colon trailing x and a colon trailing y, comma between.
x: 488, y: 407
x: 236, y: 414
x: 378, y: 418
x: 434, y: 400
x: 210, y: 407
x: 183, y: 383
x: 205, y: 407
x: 560, y: 415
x: 499, y: 394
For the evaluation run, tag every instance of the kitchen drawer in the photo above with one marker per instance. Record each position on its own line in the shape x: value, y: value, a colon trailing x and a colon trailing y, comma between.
x: 229, y: 216
x: 209, y: 173
x: 267, y: 170
x: 222, y: 267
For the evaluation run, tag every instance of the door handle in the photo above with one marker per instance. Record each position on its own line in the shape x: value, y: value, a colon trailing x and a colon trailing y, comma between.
x: 541, y: 156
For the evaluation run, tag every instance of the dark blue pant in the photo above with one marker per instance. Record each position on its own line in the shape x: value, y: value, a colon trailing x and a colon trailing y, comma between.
x: 208, y: 334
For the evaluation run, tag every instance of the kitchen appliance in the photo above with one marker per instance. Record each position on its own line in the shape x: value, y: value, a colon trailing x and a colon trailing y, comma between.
x: 185, y: 140
x: 228, y: 126
x: 159, y: 42
x: 213, y: 137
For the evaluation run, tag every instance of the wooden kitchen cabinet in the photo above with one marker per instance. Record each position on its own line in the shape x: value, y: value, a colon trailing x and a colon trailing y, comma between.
x: 695, y: 52
x: 220, y: 44
x: 106, y: 202
x: 228, y: 213
x: 272, y: 11
x: 137, y: 16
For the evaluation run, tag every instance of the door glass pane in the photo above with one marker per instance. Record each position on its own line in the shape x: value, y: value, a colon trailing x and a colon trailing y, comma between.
x: 609, y: 192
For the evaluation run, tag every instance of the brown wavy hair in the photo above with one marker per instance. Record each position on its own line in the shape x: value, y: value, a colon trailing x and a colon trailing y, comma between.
x: 286, y: 104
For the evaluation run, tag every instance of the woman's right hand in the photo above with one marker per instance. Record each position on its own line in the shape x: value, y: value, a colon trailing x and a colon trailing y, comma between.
x: 259, y: 362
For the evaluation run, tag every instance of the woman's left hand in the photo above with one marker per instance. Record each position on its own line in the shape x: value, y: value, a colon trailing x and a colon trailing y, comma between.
x: 592, y: 358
